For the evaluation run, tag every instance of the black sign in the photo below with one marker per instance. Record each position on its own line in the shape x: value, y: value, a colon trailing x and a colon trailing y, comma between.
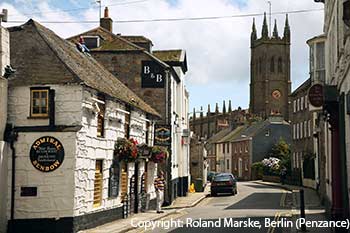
x: 152, y: 75
x: 316, y: 95
x: 162, y: 135
x: 47, y: 154
x: 29, y: 191
x: 113, y: 189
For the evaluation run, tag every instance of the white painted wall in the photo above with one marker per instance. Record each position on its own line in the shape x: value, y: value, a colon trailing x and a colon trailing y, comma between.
x: 55, y: 189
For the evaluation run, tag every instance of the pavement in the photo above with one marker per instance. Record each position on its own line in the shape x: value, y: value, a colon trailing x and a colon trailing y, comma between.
x: 314, y: 210
x: 129, y: 224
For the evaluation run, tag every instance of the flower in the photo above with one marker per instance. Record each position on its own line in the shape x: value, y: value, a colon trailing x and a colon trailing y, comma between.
x: 126, y: 149
x: 159, y: 154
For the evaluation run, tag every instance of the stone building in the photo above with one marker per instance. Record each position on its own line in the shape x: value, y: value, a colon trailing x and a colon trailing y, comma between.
x: 206, y: 126
x: 67, y: 111
x: 4, y: 147
x: 308, y: 161
x: 270, y: 83
x: 336, y: 107
x: 250, y: 143
x: 158, y: 78
x: 199, y: 160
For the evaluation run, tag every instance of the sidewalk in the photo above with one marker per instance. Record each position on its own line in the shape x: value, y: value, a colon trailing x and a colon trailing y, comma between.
x: 314, y: 210
x: 125, y: 225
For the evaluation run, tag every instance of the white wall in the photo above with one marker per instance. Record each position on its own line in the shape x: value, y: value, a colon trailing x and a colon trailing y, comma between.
x: 55, y: 189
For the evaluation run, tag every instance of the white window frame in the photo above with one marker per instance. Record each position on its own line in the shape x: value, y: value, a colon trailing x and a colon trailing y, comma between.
x: 298, y: 105
x: 305, y: 129
x: 302, y: 103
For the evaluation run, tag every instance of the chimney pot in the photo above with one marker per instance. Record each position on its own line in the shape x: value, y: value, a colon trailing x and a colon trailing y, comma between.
x: 106, y: 12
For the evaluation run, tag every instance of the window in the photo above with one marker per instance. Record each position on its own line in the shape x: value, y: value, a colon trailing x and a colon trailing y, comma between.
x: 101, y: 115
x: 228, y: 147
x: 98, y: 184
x: 306, y: 102
x: 294, y: 105
x: 272, y: 65
x: 39, y: 102
x: 223, y: 148
x: 302, y: 103
x: 127, y: 125
x: 240, y: 147
x: 227, y: 164
x: 235, y: 146
x: 246, y: 165
x: 305, y: 129
x: 279, y: 65
x: 298, y: 104
x: 301, y: 130
x: 246, y: 147
x: 297, y: 131
x: 294, y: 132
x: 309, y: 128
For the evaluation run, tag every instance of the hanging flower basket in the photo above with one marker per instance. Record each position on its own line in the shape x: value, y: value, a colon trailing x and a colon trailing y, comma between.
x: 126, y: 149
x: 159, y: 154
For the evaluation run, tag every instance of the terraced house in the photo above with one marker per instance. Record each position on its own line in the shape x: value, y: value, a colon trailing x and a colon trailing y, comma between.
x: 158, y: 78
x: 66, y: 112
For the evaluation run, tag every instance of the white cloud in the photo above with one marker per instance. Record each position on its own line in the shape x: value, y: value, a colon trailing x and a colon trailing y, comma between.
x: 218, y: 51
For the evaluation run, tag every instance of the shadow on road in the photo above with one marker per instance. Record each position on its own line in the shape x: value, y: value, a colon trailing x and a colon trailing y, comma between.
x: 259, y: 201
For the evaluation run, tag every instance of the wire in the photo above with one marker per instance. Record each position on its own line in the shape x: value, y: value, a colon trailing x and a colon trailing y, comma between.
x: 81, y: 8
x: 183, y: 19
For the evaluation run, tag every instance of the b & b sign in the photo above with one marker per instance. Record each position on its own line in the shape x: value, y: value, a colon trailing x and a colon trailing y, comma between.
x: 152, y: 75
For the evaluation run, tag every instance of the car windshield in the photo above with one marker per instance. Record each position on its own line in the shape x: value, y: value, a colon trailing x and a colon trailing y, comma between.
x: 222, y: 178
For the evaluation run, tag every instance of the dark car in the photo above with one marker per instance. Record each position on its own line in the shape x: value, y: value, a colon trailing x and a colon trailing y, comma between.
x: 224, y: 183
x: 211, y: 175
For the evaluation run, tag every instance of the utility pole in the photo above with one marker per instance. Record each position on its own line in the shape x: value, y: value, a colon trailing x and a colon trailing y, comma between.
x: 270, y: 16
x: 99, y: 9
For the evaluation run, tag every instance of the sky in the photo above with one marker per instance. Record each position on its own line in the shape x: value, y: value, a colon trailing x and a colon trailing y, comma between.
x: 218, y: 51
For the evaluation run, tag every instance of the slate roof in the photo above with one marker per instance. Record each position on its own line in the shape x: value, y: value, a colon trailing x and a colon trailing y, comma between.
x: 115, y: 42
x: 303, y: 87
x: 176, y: 57
x: 233, y: 134
x: 84, y: 68
x: 137, y: 39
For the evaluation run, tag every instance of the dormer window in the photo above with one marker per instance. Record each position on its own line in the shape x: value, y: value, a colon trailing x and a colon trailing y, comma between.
x: 39, y: 102
x: 92, y: 41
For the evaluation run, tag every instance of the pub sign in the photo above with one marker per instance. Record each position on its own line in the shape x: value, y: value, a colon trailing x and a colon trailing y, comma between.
x: 315, y: 94
x: 152, y: 75
x: 162, y: 135
x: 46, y: 154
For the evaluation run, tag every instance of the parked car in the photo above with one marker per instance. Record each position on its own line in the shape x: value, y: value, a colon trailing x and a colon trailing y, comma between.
x: 211, y: 175
x: 224, y: 183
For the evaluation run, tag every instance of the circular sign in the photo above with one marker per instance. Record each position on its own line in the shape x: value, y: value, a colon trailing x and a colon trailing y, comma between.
x: 316, y: 95
x: 47, y: 154
x: 276, y: 94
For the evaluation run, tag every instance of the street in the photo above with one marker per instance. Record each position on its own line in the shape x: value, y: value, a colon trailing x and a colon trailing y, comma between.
x: 254, y: 202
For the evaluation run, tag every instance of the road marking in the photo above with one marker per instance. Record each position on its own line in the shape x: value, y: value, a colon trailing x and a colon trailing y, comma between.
x: 274, y: 219
x: 283, y: 198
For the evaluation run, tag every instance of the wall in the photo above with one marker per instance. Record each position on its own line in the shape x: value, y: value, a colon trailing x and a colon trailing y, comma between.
x: 55, y: 189
x: 5, y: 152
x: 68, y: 100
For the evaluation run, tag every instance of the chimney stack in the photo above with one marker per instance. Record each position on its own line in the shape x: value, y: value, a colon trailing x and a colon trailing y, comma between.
x: 106, y: 22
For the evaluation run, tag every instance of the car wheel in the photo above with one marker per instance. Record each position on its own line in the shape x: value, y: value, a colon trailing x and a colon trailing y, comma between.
x: 214, y: 194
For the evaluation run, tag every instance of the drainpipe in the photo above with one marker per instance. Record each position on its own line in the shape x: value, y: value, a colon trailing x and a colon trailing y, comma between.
x: 12, y: 138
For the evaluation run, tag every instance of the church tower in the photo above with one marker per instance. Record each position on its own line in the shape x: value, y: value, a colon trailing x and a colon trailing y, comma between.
x: 270, y: 83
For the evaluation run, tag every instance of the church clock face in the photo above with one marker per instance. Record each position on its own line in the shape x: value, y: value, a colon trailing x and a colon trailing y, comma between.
x: 276, y: 94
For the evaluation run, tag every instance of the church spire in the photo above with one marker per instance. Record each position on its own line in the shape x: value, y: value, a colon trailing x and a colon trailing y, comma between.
x: 275, y: 31
x: 217, y: 108
x: 265, y: 30
x: 223, y: 107
x: 286, y: 33
x: 253, y: 35
x: 208, y: 109
x: 201, y: 113
x: 194, y: 113
x: 229, y: 106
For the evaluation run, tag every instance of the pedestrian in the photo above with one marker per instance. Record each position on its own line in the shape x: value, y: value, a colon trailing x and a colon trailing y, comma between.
x: 159, y: 184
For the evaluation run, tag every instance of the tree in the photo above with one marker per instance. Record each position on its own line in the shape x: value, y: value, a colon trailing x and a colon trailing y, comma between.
x: 282, y: 151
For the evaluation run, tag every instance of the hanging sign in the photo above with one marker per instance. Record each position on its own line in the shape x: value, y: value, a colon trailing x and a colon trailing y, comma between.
x: 152, y: 75
x: 162, y: 135
x: 316, y: 95
x: 46, y: 154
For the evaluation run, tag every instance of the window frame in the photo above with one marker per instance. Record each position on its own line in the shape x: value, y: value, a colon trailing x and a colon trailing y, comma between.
x: 97, y: 202
x: 39, y: 115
